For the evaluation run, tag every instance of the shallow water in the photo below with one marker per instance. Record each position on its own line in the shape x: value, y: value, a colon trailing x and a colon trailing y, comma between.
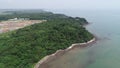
x: 105, y: 53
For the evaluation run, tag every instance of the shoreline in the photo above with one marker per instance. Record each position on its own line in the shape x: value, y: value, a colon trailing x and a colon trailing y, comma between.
x: 60, y: 52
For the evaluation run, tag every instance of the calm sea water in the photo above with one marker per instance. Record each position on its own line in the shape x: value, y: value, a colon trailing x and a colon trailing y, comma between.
x: 105, y: 53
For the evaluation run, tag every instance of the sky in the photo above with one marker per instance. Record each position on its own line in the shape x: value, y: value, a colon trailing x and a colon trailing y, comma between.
x: 59, y: 4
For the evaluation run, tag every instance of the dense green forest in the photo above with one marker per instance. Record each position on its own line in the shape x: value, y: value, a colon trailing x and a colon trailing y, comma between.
x: 23, y: 48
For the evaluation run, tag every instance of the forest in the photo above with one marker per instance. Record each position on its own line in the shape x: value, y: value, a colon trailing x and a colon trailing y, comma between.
x: 24, y: 47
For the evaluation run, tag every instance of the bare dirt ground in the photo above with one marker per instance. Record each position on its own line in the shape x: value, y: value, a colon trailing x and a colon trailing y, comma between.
x: 6, y: 26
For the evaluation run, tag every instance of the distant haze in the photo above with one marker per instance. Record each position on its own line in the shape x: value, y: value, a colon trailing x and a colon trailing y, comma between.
x: 59, y: 4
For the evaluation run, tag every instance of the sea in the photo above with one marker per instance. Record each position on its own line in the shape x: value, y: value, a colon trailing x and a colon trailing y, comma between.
x: 105, y: 53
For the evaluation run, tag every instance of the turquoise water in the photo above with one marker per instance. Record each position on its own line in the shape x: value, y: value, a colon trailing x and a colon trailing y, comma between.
x: 105, y: 53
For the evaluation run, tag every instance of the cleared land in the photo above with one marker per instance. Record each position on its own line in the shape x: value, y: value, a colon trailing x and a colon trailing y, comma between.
x: 6, y: 26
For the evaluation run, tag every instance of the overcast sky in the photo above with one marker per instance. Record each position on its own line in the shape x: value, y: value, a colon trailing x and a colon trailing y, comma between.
x: 59, y: 4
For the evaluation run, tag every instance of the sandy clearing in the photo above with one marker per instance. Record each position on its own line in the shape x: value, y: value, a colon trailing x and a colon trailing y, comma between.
x: 6, y: 26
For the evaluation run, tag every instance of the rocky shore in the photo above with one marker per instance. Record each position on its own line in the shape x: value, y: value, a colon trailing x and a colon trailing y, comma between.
x: 58, y: 53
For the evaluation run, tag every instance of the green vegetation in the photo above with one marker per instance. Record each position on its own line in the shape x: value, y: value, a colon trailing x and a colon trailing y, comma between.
x: 38, y: 16
x: 32, y: 16
x: 25, y: 47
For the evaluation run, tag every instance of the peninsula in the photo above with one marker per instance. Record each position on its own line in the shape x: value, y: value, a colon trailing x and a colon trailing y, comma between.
x: 25, y: 47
